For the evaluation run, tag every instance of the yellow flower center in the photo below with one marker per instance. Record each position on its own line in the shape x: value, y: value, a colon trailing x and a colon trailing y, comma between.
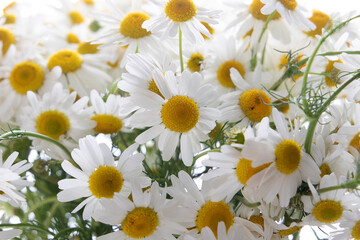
x: 26, y: 76
x: 327, y: 211
x: 253, y: 103
x: 87, y: 48
x: 105, y: 181
x: 211, y: 213
x: 154, y: 88
x: 255, y: 8
x: 320, y: 20
x: 130, y: 26
x: 88, y: 2
x: 355, y: 232
x: 180, y: 114
x: 7, y: 38
x: 9, y: 18
x: 288, y: 156
x: 282, y: 105
x: 195, y: 61
x: 72, y: 38
x: 332, y: 78
x: 68, y: 60
x: 245, y: 171
x: 52, y: 123
x: 140, y: 222
x: 223, y: 73
x: 180, y: 10
x: 325, y: 169
x: 258, y: 220
x: 355, y: 142
x: 76, y: 17
x: 289, y: 4
x: 107, y: 123
x: 209, y: 28
x: 289, y: 231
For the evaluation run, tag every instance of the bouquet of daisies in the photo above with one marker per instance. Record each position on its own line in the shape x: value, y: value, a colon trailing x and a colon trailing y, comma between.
x: 178, y: 119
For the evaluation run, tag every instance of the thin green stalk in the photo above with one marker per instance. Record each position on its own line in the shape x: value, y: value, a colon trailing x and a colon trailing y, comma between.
x: 27, y: 225
x: 20, y: 133
x: 180, y: 50
x: 52, y: 212
x: 266, y: 25
x: 37, y: 205
x: 247, y: 203
x: 68, y: 231
x: 206, y: 152
x: 352, y: 184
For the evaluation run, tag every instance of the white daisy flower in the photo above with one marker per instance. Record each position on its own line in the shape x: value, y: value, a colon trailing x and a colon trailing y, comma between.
x: 80, y: 72
x: 291, y: 11
x: 58, y: 115
x: 328, y: 207
x: 20, y: 72
x: 100, y: 176
x: 183, y: 115
x: 107, y: 115
x: 184, y: 16
x: 350, y: 225
x: 10, y: 180
x: 288, y: 166
x: 150, y: 216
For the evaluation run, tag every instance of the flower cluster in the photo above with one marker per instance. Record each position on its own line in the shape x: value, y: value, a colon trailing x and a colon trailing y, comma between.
x: 178, y: 119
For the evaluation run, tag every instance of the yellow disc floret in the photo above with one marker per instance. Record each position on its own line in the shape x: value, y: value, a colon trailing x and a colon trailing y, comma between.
x: 105, y: 181
x: 321, y: 20
x: 245, y: 171
x: 52, y: 123
x: 68, y: 60
x: 325, y: 169
x: 288, y: 156
x: 254, y: 104
x: 332, y: 78
x: 223, y: 72
x: 88, y: 2
x: 327, y: 211
x: 289, y: 231
x: 180, y: 114
x: 7, y: 38
x: 195, y: 61
x: 107, y: 123
x: 289, y: 4
x: 76, y: 17
x: 9, y: 18
x: 211, y: 213
x: 72, y: 38
x: 154, y: 88
x: 355, y: 231
x: 355, y: 142
x: 88, y: 48
x: 258, y: 220
x: 180, y: 10
x: 26, y: 76
x: 140, y: 222
x: 255, y: 8
x: 131, y: 25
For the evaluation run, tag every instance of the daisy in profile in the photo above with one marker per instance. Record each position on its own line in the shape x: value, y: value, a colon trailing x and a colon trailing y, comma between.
x: 21, y: 72
x: 100, y: 176
x: 148, y: 216
x: 184, y: 16
x: 288, y: 164
x: 58, y: 115
x: 291, y: 11
x: 80, y: 72
x: 107, y: 115
x: 328, y: 207
x: 10, y: 180
x: 182, y: 115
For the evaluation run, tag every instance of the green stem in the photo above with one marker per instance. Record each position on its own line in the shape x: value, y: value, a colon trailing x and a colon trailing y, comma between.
x: 266, y: 25
x: 68, y: 230
x: 20, y: 133
x: 113, y: 90
x: 180, y: 50
x: 352, y: 184
x: 51, y: 214
x: 37, y: 205
x: 332, y: 53
x: 247, y: 203
x: 206, y: 152
x: 310, y: 134
x: 27, y: 225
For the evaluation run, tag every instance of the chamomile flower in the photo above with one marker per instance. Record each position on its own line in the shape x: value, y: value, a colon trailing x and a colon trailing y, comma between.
x: 288, y: 166
x: 184, y: 16
x: 350, y: 227
x: 182, y: 115
x: 249, y: 102
x: 328, y: 207
x: 100, y: 176
x: 20, y: 72
x: 107, y: 115
x: 149, y: 216
x: 291, y: 11
x: 80, y: 72
x: 10, y: 180
x: 58, y: 115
